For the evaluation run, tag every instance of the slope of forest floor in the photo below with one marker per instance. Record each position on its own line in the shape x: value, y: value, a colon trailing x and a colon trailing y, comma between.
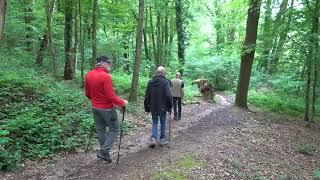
x: 211, y: 141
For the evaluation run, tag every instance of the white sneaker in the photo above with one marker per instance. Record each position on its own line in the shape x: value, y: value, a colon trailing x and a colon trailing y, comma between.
x: 163, y: 142
x: 152, y: 142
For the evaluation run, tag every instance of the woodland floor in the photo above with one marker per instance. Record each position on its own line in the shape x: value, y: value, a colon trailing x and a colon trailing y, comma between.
x: 211, y: 141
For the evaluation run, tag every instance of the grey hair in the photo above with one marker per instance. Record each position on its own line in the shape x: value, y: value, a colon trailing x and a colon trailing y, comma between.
x: 161, y: 70
x: 178, y: 75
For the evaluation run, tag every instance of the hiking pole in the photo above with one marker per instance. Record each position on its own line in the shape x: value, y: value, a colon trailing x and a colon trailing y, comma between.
x: 123, y: 110
x: 90, y: 136
x: 169, y: 135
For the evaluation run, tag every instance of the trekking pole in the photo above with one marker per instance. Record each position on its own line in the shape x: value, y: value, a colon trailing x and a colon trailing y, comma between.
x: 90, y: 136
x: 123, y: 110
x: 169, y: 121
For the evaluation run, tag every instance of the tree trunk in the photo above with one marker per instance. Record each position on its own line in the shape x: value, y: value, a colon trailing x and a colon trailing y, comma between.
x: 43, y: 46
x: 219, y: 26
x: 181, y: 31
x: 278, y: 50
x: 145, y: 41
x: 68, y: 71
x: 166, y: 39
x: 306, y: 114
x: 76, y: 40
x: 153, y: 38
x: 247, y: 55
x: 28, y: 18
x: 280, y: 21
x: 3, y: 7
x: 159, y: 42
x: 49, y: 10
x: 94, y: 33
x: 82, y: 39
x: 135, y: 77
x: 315, y: 31
x: 267, y: 38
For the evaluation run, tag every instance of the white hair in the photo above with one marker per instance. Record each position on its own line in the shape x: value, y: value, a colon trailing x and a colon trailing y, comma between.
x: 161, y: 70
x: 178, y: 75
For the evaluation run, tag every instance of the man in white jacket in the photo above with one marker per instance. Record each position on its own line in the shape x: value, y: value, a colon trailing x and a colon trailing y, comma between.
x: 177, y: 92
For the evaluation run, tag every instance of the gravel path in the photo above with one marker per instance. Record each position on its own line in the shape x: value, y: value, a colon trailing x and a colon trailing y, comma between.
x: 229, y: 143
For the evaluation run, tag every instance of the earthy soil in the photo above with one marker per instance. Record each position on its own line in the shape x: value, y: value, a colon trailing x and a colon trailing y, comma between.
x: 231, y: 142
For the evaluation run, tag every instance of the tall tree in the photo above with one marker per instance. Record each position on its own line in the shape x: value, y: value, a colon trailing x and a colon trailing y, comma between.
x: 49, y: 6
x: 3, y: 6
x: 68, y: 71
x: 94, y: 33
x: 312, y: 60
x: 28, y: 18
x: 82, y: 38
x: 248, y: 50
x: 181, y: 30
x: 266, y: 36
x: 76, y: 39
x: 154, y: 48
x: 135, y: 76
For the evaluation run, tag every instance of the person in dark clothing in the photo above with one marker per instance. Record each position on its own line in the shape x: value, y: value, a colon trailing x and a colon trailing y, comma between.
x: 158, y: 101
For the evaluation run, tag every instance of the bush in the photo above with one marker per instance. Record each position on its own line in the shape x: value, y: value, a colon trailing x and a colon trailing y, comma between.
x: 39, y: 117
x: 222, y: 72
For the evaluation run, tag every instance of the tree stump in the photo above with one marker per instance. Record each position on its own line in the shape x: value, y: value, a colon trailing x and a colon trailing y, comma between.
x: 206, y: 89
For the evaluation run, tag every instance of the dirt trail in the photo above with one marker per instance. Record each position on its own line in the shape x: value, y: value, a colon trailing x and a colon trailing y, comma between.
x: 232, y: 143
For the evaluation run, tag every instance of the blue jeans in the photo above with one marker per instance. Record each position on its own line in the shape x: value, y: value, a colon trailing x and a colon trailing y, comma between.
x: 155, y: 118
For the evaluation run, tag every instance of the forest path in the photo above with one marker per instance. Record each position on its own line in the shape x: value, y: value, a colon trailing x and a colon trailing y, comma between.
x: 211, y: 141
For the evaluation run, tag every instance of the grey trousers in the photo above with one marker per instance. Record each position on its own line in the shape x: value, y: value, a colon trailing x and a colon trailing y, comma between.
x: 106, y: 118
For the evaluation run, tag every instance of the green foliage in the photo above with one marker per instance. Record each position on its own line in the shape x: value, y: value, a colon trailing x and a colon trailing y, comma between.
x: 308, y: 149
x: 222, y: 72
x: 276, y: 102
x: 316, y: 174
x: 179, y: 169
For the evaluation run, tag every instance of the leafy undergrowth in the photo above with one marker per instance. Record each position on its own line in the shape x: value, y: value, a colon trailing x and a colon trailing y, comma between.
x: 179, y: 169
x: 294, y: 106
x: 40, y: 116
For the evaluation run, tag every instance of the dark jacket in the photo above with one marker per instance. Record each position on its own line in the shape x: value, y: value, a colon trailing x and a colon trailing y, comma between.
x: 158, y: 98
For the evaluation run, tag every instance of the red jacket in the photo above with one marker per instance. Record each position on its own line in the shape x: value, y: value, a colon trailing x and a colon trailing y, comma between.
x: 100, y: 91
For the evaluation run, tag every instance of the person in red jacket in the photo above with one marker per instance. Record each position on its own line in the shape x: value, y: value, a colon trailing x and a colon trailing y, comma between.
x: 99, y: 90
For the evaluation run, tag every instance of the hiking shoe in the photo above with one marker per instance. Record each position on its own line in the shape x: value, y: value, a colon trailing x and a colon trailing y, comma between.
x: 152, y: 142
x: 104, y: 156
x: 163, y: 142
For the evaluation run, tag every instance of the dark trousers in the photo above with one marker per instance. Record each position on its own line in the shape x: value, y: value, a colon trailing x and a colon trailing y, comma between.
x: 177, y: 100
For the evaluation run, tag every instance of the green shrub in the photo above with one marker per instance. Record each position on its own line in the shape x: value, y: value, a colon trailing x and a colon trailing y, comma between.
x: 222, y: 72
x: 308, y: 149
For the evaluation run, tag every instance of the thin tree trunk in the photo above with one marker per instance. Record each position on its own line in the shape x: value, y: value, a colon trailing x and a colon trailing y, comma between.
x: 145, y: 41
x: 181, y: 31
x: 166, y: 39
x: 282, y: 39
x: 68, y: 71
x: 94, y: 33
x: 280, y: 20
x: 3, y: 7
x: 159, y: 43
x: 247, y: 55
x: 43, y: 46
x: 315, y: 30
x: 153, y: 38
x: 135, y: 76
x: 76, y: 40
x: 82, y: 39
x: 267, y: 38
x: 49, y: 11
x: 306, y: 114
x: 28, y: 18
